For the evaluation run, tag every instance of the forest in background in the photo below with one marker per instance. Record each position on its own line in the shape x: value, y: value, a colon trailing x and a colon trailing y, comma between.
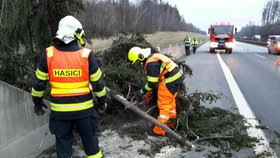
x: 27, y: 27
x: 109, y: 17
x: 270, y: 22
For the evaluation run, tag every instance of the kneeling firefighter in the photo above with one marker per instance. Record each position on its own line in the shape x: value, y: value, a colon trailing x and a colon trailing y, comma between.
x: 163, y: 74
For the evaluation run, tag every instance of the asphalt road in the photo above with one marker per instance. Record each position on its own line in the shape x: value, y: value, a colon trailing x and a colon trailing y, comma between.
x: 254, y: 72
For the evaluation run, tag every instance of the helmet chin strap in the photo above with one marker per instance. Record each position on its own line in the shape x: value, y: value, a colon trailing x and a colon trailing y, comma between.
x: 78, y: 36
x: 142, y: 62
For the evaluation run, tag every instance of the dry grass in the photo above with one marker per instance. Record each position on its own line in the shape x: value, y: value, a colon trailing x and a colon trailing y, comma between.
x: 101, y: 44
x: 161, y: 39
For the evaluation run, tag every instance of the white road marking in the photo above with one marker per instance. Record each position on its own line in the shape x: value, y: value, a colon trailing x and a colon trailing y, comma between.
x: 260, y: 56
x: 245, y: 110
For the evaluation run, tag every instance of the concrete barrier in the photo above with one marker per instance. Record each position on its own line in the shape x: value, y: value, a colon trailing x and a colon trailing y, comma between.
x: 252, y: 42
x: 22, y: 133
x: 176, y: 50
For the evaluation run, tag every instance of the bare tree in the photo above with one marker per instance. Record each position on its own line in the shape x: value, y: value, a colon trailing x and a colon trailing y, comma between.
x: 108, y: 17
x: 271, y: 12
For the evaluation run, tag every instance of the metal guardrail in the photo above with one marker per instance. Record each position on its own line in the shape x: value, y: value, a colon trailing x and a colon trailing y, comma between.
x: 252, y: 42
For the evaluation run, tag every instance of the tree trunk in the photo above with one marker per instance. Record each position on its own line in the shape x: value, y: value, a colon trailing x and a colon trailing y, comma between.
x: 2, y: 11
x: 135, y: 109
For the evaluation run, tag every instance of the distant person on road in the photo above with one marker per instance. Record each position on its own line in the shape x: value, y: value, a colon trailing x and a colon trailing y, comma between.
x: 187, y: 42
x: 70, y: 68
x: 194, y: 44
x: 164, y: 78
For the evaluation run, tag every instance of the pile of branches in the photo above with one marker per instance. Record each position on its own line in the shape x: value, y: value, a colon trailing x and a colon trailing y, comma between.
x: 119, y: 73
x: 201, y: 125
x: 195, y: 122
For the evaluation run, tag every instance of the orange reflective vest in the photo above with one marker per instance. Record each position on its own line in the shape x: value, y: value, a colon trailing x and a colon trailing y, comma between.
x: 68, y: 72
x: 167, y: 64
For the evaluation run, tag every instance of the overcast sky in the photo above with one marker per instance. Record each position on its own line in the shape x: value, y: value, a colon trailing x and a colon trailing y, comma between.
x: 202, y: 13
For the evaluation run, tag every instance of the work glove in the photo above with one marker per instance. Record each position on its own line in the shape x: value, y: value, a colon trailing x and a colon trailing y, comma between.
x: 101, y: 109
x: 101, y: 105
x: 38, y: 109
x: 147, y: 98
x: 139, y: 94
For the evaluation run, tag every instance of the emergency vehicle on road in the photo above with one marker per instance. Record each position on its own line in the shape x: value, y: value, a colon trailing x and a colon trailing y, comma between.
x: 221, y: 37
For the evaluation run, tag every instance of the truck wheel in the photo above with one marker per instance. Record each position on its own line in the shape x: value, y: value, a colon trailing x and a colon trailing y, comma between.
x: 212, y: 50
x: 229, y: 51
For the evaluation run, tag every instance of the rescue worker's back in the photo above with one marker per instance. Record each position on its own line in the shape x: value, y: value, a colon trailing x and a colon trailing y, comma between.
x: 70, y: 69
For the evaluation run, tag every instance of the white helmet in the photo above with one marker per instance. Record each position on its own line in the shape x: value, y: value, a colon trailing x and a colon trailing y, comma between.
x: 68, y: 28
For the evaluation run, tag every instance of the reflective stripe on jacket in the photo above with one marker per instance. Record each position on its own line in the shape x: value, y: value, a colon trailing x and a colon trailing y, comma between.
x: 167, y: 66
x: 187, y: 42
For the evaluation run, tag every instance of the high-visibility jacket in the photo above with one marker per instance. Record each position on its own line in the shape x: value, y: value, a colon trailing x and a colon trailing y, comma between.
x: 187, y: 42
x: 70, y: 94
x: 194, y: 43
x: 68, y: 78
x: 167, y: 68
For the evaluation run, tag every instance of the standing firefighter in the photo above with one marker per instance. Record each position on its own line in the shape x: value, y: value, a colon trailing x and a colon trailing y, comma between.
x: 163, y: 74
x: 194, y: 45
x: 70, y: 69
x: 187, y: 42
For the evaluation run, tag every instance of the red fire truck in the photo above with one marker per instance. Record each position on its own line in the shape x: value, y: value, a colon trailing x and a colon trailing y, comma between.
x: 221, y: 37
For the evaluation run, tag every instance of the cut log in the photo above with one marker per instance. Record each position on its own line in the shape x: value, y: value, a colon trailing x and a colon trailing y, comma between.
x: 132, y: 106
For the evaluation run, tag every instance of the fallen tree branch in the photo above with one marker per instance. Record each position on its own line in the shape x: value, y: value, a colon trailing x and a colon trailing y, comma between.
x: 150, y: 109
x: 177, y: 123
x: 187, y: 125
x: 214, y: 137
x: 132, y: 107
x: 129, y: 89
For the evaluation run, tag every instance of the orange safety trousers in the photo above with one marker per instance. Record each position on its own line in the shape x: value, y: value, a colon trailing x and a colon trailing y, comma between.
x: 167, y: 107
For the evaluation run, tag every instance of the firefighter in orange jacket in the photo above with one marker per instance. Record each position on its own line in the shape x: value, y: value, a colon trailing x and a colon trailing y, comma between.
x: 70, y: 69
x: 163, y: 74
